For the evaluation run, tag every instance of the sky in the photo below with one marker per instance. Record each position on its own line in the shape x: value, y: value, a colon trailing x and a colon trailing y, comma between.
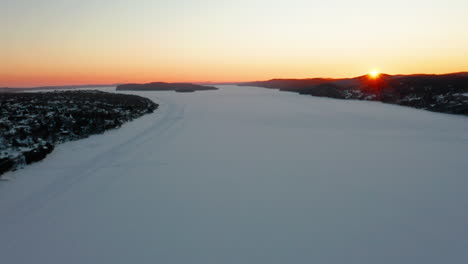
x: 58, y: 42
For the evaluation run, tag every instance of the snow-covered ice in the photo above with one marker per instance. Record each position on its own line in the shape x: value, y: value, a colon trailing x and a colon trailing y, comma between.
x: 248, y: 175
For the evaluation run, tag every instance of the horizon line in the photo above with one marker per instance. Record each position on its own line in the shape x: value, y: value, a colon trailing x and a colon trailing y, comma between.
x: 212, y: 82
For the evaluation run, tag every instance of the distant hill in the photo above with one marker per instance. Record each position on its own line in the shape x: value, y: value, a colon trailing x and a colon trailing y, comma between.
x: 10, y: 89
x: 162, y: 86
x: 447, y: 93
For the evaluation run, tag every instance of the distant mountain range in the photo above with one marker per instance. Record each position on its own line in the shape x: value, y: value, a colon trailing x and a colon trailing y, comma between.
x: 447, y: 93
x: 162, y: 86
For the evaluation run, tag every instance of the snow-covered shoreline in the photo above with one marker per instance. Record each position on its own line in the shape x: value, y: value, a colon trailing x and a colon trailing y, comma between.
x: 32, y: 123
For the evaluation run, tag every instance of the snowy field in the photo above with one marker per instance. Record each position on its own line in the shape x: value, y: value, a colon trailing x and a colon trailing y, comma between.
x: 248, y: 175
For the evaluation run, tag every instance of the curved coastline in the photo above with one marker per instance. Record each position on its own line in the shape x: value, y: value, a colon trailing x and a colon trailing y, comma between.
x: 33, y: 123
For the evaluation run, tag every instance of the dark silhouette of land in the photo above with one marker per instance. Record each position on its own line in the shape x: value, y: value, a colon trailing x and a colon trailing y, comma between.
x: 162, y: 86
x: 447, y: 93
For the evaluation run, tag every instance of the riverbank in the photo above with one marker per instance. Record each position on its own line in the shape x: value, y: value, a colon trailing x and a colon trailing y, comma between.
x: 31, y: 124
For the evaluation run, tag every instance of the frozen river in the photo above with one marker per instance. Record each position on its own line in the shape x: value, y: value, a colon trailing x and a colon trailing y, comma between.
x: 248, y: 175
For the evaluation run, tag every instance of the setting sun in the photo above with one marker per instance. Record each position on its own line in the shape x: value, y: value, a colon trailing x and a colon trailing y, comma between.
x: 374, y: 74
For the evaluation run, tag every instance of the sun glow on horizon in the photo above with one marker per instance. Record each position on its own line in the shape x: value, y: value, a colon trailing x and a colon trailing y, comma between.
x: 374, y: 74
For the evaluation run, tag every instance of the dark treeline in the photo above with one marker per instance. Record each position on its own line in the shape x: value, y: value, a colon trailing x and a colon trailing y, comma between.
x: 446, y: 93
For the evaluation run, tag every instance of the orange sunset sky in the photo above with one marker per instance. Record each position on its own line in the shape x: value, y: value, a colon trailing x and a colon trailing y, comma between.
x: 58, y: 42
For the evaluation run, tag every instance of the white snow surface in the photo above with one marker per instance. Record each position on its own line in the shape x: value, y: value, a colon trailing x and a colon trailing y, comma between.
x: 248, y: 175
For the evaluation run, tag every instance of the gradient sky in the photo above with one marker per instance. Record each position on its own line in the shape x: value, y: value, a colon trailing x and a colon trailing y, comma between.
x: 53, y: 42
